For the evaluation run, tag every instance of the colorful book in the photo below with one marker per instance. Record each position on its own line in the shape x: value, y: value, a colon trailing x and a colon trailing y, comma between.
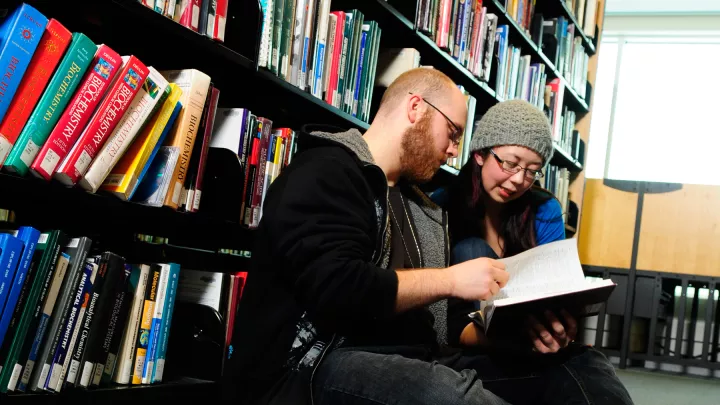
x: 124, y: 177
x: 128, y: 83
x: 52, y: 103
x: 10, y: 254
x: 152, y: 94
x: 105, y: 65
x: 155, y: 323
x: 20, y: 32
x: 158, y: 357
x: 51, y: 48
x: 194, y: 84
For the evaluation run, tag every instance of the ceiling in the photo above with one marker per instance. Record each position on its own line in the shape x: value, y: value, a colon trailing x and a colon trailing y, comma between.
x: 663, y: 7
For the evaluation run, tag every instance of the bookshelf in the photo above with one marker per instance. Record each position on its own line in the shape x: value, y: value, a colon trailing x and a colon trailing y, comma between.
x: 197, y: 237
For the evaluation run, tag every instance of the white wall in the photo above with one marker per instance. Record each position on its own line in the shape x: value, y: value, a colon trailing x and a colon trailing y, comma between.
x: 671, y: 25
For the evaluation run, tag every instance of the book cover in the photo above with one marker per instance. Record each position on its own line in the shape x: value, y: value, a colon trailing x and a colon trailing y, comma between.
x: 153, y: 92
x: 130, y: 79
x: 52, y: 46
x: 188, y: 14
x: 320, y: 46
x: 124, y: 177
x: 202, y: 159
x: 153, y: 188
x: 103, y: 70
x: 21, y: 33
x: 267, y: 10
x: 195, y: 85
x: 52, y: 103
x: 277, y: 36
x: 126, y: 312
x: 220, y: 19
x: 157, y: 315
x: 143, y: 332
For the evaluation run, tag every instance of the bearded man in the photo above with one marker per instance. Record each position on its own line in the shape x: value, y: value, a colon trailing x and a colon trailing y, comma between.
x: 346, y: 300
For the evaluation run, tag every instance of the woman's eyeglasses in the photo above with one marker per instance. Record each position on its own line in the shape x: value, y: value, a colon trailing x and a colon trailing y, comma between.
x: 512, y: 167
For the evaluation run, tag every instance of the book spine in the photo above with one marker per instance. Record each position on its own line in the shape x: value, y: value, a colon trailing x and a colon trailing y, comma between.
x: 157, y: 317
x: 250, y: 179
x: 276, y: 36
x: 194, y: 93
x: 320, y: 48
x: 126, y: 352
x: 190, y: 14
x: 56, y: 365
x: 296, y: 46
x: 110, y: 112
x: 22, y: 32
x: 143, y: 105
x: 105, y: 366
x: 286, y: 40
x: 361, y: 61
x: 53, y: 43
x: 264, y: 55
x: 73, y: 120
x: 441, y: 39
x: 164, y: 335
x: 220, y: 19
x: 51, y: 105
x: 47, y: 310
x: 10, y: 252
x: 261, y: 168
x: 210, y: 121
x: 143, y: 332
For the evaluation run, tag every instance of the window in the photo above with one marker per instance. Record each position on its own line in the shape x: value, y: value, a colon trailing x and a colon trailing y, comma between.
x: 656, y: 110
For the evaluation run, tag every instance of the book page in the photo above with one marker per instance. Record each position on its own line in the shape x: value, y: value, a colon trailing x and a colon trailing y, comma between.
x: 545, y: 269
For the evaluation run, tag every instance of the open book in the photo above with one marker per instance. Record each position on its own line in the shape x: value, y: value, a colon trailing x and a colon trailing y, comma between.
x: 548, y: 277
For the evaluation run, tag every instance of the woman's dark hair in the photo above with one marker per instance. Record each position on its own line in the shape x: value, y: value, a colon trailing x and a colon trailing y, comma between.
x: 466, y: 209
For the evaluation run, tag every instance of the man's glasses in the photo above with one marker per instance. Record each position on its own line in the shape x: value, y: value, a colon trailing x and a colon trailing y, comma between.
x: 512, y: 167
x: 456, y: 133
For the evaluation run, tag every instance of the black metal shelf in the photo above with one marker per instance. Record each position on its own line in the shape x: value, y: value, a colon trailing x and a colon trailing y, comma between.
x: 187, y: 257
x: 179, y: 390
x: 563, y: 159
x: 574, y: 101
x: 49, y: 205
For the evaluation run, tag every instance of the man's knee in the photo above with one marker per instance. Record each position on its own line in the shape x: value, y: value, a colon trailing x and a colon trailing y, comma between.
x: 471, y: 248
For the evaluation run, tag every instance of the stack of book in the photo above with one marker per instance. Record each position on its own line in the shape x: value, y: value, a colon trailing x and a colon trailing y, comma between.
x: 332, y: 55
x: 464, y: 29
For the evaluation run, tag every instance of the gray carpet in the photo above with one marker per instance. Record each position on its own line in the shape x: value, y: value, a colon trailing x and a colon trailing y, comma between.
x: 651, y: 388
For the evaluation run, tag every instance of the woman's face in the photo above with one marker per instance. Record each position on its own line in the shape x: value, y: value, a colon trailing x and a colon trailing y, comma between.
x: 502, y: 185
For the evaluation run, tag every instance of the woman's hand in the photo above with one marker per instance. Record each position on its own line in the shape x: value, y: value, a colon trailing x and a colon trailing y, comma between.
x: 558, y: 337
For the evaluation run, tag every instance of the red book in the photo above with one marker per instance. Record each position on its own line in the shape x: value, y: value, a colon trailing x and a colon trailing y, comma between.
x: 209, y: 121
x: 130, y: 79
x: 190, y: 14
x: 50, y: 50
x: 220, y: 17
x: 443, y: 31
x: 105, y: 66
x: 337, y: 53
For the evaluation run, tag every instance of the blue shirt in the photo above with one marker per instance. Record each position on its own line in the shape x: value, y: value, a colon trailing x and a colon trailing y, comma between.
x: 549, y: 223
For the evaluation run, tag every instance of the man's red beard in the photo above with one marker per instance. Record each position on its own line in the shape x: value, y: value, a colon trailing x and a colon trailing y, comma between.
x: 419, y: 159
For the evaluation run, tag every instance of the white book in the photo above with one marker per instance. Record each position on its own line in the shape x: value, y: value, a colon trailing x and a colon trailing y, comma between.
x: 547, y: 277
x: 332, y: 29
x: 137, y: 114
x: 127, y: 346
x: 266, y: 34
x: 297, y: 40
x: 492, y: 21
x: 321, y: 54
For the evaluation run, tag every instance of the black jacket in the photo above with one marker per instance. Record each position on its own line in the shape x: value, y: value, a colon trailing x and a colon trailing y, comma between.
x: 319, y: 267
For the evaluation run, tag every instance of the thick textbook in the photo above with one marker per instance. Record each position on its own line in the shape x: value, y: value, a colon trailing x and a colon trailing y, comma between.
x: 548, y: 277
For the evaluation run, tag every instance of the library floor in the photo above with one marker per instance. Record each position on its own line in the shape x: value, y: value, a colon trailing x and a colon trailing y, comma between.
x: 649, y: 388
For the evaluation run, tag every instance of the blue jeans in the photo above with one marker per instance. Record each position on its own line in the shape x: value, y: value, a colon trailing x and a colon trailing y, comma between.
x: 577, y: 374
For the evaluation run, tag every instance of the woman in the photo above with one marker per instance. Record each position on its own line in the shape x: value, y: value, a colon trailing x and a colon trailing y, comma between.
x: 496, y: 211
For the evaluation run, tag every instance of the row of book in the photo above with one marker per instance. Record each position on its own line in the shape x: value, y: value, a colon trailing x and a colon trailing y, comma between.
x: 464, y: 29
x: 75, y: 318
x: 523, y: 12
x: 83, y: 115
x: 517, y: 77
x: 566, y: 51
x: 208, y: 17
x: 332, y: 55
x: 263, y: 152
x: 557, y: 181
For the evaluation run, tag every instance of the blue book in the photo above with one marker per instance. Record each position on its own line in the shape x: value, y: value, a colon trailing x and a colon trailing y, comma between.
x: 164, y: 335
x: 29, y: 237
x: 10, y: 253
x: 168, y: 126
x: 356, y: 93
x: 21, y: 33
x: 158, y: 315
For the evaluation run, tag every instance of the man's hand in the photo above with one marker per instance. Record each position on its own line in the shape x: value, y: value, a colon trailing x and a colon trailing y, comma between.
x: 557, y: 338
x: 478, y: 279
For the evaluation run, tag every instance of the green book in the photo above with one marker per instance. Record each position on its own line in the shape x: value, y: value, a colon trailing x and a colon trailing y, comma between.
x: 277, y: 36
x: 370, y: 29
x: 57, y: 95
x: 285, y: 45
x: 371, y: 80
x: 352, y: 62
x: 47, y: 251
x: 345, y: 61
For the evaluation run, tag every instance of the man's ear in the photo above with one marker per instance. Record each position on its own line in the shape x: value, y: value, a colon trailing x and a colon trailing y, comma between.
x: 413, y: 108
x: 479, y: 159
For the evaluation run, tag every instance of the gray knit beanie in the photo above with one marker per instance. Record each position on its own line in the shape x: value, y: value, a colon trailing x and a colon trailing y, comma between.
x: 514, y: 122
